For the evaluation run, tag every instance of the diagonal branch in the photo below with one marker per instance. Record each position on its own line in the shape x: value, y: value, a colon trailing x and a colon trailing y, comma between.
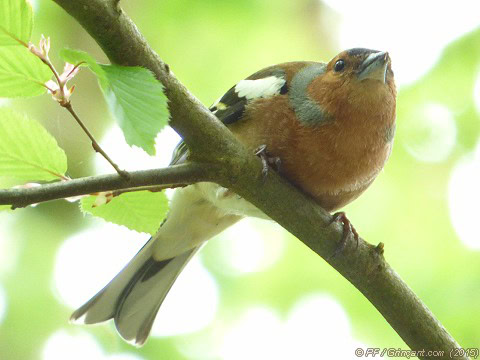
x: 175, y: 175
x: 239, y: 170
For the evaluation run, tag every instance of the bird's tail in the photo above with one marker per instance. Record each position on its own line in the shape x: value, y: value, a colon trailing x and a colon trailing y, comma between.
x: 134, y: 296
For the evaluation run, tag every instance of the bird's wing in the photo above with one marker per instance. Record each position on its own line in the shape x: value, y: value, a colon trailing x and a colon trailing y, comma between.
x: 230, y: 107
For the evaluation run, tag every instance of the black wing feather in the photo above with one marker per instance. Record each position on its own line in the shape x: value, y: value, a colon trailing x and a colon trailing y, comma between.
x: 230, y: 108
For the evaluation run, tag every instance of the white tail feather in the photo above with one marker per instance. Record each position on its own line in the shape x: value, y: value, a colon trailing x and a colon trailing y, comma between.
x: 140, y: 303
x: 102, y: 306
x: 133, y: 297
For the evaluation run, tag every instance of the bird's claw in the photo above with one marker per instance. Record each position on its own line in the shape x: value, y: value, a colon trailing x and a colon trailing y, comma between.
x: 267, y: 160
x: 347, y: 230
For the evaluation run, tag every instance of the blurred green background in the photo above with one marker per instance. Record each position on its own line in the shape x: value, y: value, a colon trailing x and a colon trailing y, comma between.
x: 256, y: 292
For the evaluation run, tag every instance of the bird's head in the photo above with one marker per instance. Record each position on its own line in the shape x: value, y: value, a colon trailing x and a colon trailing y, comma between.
x: 356, y: 80
x: 363, y: 65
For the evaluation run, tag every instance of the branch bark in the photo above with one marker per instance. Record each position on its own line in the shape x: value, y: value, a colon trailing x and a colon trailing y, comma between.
x: 183, y: 174
x: 239, y: 170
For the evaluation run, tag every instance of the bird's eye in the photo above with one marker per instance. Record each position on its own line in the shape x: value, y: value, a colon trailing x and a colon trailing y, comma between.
x: 339, y: 65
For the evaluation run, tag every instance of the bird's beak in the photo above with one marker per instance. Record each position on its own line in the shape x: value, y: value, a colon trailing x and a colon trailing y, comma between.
x: 374, y: 67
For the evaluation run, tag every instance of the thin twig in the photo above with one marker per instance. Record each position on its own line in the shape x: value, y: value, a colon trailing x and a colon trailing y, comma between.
x: 47, y: 62
x: 95, y: 145
x: 64, y: 100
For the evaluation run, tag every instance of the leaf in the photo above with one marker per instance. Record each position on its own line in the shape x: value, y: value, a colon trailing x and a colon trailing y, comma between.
x: 21, y: 73
x: 16, y: 19
x: 142, y: 211
x: 134, y: 96
x: 27, y: 151
x: 138, y: 103
x: 76, y: 57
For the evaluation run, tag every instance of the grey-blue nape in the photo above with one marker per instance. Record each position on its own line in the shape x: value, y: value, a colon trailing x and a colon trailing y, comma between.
x: 306, y: 109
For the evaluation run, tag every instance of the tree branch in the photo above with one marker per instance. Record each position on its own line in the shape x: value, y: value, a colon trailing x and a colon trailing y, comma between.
x: 175, y: 175
x: 239, y: 170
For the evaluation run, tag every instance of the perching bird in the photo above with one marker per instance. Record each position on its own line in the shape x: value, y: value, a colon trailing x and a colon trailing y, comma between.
x: 332, y: 127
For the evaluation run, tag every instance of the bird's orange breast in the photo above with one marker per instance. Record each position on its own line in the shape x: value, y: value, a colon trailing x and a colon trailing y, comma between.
x: 333, y: 162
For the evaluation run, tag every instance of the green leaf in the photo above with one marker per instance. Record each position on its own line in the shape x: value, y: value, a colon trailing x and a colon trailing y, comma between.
x: 138, y: 103
x: 76, y: 57
x: 21, y: 73
x: 16, y: 19
x: 142, y: 211
x: 27, y: 151
x: 134, y: 96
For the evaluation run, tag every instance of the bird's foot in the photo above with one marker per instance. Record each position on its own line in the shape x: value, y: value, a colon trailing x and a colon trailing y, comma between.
x: 267, y: 160
x: 347, y: 230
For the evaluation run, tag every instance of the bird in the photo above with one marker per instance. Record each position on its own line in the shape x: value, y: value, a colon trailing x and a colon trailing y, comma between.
x: 328, y: 127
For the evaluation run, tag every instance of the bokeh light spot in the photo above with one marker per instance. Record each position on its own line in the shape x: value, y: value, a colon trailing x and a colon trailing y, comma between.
x: 3, y: 304
x: 464, y: 197
x: 123, y: 357
x: 431, y: 133
x: 476, y: 93
x: 9, y: 246
x: 258, y: 334
x: 261, y: 334
x: 250, y: 245
x: 62, y: 345
x: 87, y: 261
x: 190, y: 305
x: 319, y: 316
x: 365, y: 24
x: 133, y: 157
